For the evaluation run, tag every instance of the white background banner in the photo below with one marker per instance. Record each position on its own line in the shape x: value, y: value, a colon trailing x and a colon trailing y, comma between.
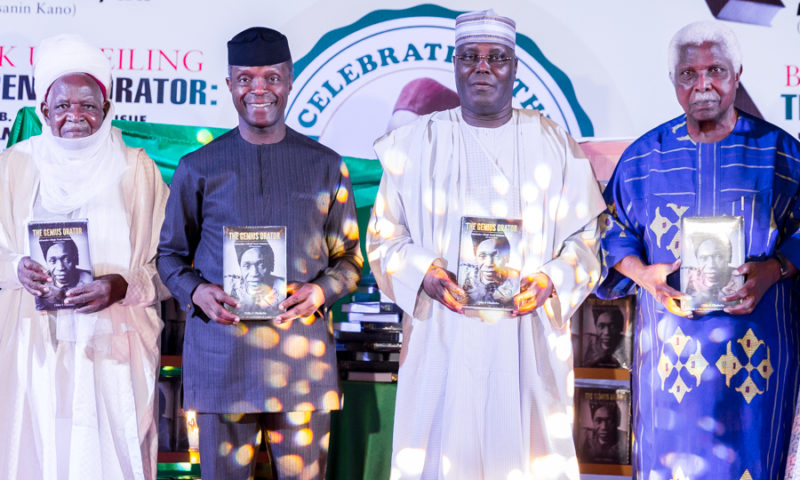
x: 598, y: 67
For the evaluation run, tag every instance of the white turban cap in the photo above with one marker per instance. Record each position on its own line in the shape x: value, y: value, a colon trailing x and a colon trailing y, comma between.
x: 62, y: 54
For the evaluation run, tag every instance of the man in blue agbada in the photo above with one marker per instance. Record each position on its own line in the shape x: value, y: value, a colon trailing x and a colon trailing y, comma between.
x: 713, y: 394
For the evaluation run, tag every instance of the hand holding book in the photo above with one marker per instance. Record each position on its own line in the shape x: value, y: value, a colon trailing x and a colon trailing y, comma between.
x: 303, y: 302
x: 760, y: 277
x: 441, y: 286
x: 33, y: 277
x: 98, y: 294
x: 534, y: 291
x: 211, y: 299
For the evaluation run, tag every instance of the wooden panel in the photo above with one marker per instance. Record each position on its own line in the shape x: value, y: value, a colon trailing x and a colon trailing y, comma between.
x: 602, y: 469
x: 603, y: 373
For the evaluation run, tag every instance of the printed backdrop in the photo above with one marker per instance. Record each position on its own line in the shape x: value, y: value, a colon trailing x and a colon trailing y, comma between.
x: 598, y: 67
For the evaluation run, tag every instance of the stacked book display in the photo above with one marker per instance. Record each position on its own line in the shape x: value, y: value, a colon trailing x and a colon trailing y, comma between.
x: 368, y: 343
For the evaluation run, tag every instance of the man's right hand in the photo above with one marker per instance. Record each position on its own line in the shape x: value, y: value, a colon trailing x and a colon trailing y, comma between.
x: 653, y: 278
x: 32, y: 276
x: 441, y: 286
x: 211, y: 299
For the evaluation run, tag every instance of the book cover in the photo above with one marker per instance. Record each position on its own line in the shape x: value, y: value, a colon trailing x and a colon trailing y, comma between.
x: 373, y: 317
x: 62, y: 248
x: 254, y: 269
x: 711, y: 249
x: 489, y: 262
x: 603, y: 425
x: 605, y: 333
x: 370, y: 307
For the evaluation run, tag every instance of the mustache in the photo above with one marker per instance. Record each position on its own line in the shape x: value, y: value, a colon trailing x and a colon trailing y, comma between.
x: 705, y: 97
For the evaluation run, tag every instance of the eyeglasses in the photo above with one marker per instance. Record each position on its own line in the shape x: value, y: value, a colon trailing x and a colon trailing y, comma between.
x: 493, y: 60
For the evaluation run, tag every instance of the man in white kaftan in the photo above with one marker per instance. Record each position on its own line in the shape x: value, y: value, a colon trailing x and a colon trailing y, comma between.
x: 79, y: 397
x: 486, y: 396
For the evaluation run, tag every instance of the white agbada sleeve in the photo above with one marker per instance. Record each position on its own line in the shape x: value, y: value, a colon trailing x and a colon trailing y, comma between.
x: 399, y: 264
x: 575, y: 266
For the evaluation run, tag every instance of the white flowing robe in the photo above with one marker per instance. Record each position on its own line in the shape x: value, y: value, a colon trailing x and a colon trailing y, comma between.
x: 476, y: 399
x: 68, y: 410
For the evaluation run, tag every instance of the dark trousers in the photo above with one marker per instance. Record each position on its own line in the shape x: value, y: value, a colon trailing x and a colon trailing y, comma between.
x: 297, y: 443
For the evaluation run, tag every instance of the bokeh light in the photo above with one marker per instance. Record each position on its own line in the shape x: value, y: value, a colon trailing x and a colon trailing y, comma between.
x: 289, y: 465
x: 542, y: 174
x: 275, y: 436
x: 273, y: 405
x: 298, y: 418
x: 342, y: 195
x: 225, y: 449
x: 303, y: 437
x: 302, y: 387
x: 331, y: 400
x: 277, y: 373
x: 559, y: 425
x: 350, y: 229
x: 317, y: 348
x: 264, y: 337
x: 204, y: 136
x: 317, y: 370
x: 244, y: 455
x: 323, y: 202
x: 410, y: 461
x: 304, y: 407
x: 295, y: 346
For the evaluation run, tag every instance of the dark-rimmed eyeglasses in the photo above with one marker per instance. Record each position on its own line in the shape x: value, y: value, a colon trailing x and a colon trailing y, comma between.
x: 494, y: 60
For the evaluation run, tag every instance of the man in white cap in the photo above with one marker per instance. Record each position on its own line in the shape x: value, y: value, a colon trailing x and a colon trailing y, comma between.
x: 484, y: 396
x: 79, y: 384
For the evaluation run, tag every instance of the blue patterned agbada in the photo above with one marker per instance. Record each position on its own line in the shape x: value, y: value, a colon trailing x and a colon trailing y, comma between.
x: 713, y: 396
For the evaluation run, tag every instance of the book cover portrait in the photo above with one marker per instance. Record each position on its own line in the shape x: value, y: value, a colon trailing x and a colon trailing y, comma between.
x: 63, y: 249
x: 254, y: 269
x: 490, y: 262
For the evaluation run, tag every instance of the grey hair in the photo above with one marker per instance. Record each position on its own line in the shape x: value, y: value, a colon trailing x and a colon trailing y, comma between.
x: 701, y: 32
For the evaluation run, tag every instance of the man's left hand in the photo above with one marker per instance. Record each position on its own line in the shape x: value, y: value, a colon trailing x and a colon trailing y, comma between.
x: 760, y: 276
x: 305, y: 300
x: 98, y: 294
x: 533, y: 292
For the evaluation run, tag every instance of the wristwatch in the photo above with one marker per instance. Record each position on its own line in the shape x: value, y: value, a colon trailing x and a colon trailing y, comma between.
x: 778, y: 256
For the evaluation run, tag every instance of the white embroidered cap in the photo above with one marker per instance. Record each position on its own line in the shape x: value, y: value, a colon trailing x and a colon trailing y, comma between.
x: 485, y: 27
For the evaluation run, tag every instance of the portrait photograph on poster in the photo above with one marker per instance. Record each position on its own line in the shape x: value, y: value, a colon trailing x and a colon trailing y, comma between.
x: 602, y: 425
x: 603, y: 334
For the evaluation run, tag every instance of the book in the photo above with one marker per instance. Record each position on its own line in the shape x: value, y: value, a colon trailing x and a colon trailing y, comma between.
x: 489, y: 262
x: 605, y: 333
x: 368, y: 366
x: 380, y: 347
x: 602, y: 425
x: 254, y: 269
x: 372, y: 317
x: 62, y: 248
x: 371, y: 307
x: 711, y: 249
x: 380, y: 326
x: 346, y: 326
x: 384, y: 377
x: 376, y: 336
